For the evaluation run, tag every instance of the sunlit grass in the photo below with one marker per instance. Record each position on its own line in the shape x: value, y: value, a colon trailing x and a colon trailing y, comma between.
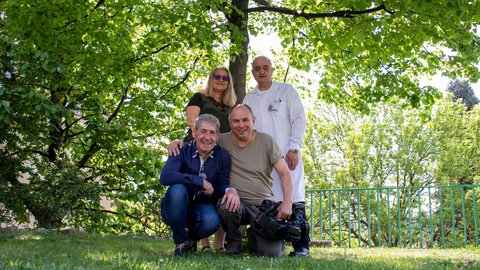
x: 30, y: 237
x: 51, y: 250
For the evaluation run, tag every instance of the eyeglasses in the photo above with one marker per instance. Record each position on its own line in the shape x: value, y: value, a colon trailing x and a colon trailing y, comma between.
x: 219, y: 77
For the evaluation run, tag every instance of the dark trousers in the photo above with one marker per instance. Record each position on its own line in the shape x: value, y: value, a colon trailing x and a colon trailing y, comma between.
x: 258, y: 245
x: 298, y: 210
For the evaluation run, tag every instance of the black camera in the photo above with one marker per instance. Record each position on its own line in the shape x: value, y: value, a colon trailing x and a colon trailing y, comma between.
x: 269, y: 226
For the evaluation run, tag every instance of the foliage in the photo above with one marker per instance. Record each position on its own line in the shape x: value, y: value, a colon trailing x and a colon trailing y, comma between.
x: 458, y: 159
x: 91, y: 91
x: 374, y: 51
x: 50, y: 250
x: 383, y: 149
x: 394, y: 147
x: 88, y: 97
x: 463, y: 91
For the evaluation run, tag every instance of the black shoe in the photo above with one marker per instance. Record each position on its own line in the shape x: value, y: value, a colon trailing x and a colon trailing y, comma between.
x: 234, y: 247
x: 301, y: 252
x: 184, y: 248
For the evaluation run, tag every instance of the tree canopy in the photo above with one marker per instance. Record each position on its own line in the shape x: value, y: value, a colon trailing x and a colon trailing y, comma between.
x: 462, y: 90
x: 91, y: 91
x: 88, y: 92
x: 371, y: 51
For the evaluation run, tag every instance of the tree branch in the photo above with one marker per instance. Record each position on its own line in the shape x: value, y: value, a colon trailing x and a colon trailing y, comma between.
x: 99, y: 3
x: 91, y: 151
x: 122, y: 99
x: 337, y: 14
x: 43, y: 154
x: 74, y: 103
x: 95, y: 147
x: 143, y: 56
x: 69, y: 136
x: 262, y: 3
x: 184, y: 79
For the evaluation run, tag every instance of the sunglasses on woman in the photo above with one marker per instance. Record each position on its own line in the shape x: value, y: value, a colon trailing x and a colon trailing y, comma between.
x: 219, y: 77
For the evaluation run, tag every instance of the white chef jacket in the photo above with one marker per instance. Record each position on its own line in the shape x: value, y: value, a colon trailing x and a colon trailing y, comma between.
x: 279, y: 112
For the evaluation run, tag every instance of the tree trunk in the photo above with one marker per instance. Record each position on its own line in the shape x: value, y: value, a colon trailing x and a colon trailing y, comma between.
x: 46, y: 217
x: 238, y: 66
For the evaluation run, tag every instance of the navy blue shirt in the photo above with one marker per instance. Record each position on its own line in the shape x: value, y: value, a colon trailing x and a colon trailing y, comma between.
x: 185, y: 169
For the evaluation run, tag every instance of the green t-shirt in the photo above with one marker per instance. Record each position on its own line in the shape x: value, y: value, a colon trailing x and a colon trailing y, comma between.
x: 252, y: 167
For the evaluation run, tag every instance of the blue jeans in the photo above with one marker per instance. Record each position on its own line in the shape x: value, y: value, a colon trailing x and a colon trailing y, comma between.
x: 180, y: 214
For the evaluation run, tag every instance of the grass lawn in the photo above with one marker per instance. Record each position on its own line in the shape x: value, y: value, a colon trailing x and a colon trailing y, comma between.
x: 53, y: 250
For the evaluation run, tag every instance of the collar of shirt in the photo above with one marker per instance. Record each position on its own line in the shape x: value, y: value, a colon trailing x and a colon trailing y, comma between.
x: 195, y: 153
x: 262, y: 92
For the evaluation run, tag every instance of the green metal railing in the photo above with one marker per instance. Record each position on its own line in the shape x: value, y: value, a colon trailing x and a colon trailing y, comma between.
x: 414, y: 217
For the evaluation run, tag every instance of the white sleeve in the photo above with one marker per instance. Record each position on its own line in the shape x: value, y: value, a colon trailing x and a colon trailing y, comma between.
x: 298, y: 121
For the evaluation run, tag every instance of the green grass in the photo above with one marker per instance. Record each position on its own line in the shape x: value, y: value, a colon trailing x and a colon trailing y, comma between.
x: 52, y: 250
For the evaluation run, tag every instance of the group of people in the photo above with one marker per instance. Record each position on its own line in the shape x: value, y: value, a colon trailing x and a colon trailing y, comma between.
x: 232, y: 160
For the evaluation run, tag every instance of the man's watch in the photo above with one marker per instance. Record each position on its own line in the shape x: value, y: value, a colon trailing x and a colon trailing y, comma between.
x: 293, y: 150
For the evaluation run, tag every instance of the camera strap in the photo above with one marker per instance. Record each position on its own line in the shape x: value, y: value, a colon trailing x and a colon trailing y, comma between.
x: 261, y: 223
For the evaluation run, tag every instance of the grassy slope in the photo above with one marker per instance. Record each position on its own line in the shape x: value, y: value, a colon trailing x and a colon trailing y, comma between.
x: 51, y: 250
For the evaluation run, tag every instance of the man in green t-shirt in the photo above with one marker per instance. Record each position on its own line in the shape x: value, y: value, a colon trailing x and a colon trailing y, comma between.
x: 254, y: 155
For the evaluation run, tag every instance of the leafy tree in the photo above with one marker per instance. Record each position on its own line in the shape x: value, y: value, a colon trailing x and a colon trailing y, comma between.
x: 365, y: 51
x: 386, y: 148
x: 88, y: 96
x: 458, y: 160
x: 398, y: 147
x: 90, y: 91
x: 391, y: 146
x: 462, y: 90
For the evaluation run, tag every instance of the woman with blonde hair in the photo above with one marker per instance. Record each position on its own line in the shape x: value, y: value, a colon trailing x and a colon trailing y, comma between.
x: 218, y: 98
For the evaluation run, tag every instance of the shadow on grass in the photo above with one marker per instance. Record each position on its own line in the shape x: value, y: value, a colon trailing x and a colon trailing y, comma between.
x: 51, y: 250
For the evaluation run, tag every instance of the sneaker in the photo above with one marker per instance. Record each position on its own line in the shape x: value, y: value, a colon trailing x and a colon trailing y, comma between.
x: 234, y: 247
x: 301, y: 252
x: 185, y: 247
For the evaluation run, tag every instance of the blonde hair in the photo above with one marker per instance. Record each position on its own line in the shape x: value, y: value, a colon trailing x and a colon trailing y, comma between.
x: 229, y: 98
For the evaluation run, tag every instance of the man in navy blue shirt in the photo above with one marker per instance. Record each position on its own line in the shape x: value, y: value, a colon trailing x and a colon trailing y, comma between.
x: 197, y: 178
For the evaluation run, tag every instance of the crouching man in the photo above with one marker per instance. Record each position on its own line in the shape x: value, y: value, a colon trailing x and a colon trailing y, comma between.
x: 254, y: 154
x: 197, y: 178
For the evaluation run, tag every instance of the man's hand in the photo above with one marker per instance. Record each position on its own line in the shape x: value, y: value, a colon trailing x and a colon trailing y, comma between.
x: 231, y: 200
x: 207, y: 187
x: 174, y: 148
x: 292, y: 160
x: 284, y: 210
